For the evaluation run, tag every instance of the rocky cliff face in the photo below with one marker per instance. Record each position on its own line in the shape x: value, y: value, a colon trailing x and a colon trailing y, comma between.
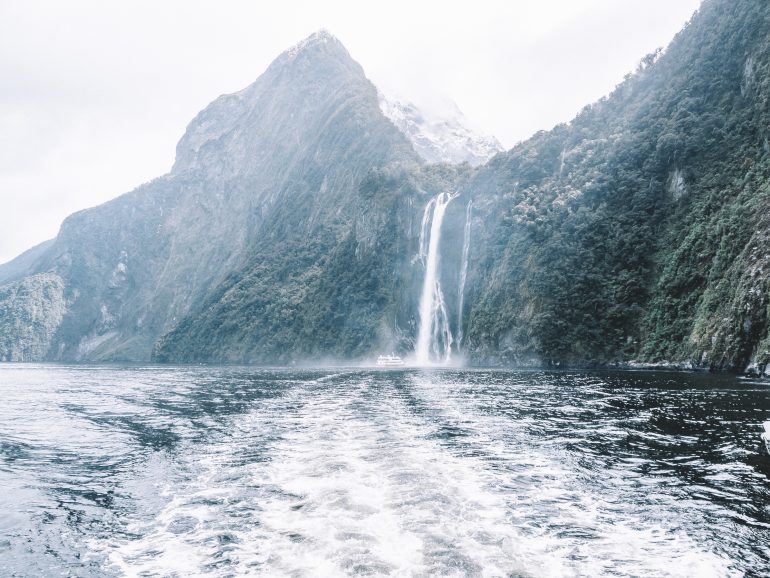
x: 31, y: 310
x: 290, y: 227
x: 273, y: 160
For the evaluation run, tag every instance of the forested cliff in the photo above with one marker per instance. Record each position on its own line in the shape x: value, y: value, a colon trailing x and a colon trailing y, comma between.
x: 638, y: 231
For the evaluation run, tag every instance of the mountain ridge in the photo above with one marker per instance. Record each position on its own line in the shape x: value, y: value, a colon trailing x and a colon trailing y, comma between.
x: 133, y: 266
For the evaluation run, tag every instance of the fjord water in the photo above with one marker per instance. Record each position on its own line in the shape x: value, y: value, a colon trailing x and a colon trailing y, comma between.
x: 177, y: 471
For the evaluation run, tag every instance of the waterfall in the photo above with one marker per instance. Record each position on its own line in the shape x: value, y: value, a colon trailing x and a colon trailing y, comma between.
x: 426, y: 214
x: 434, y: 338
x: 463, y: 272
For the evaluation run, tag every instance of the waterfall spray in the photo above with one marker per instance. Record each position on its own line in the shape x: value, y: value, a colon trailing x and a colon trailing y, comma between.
x: 434, y: 338
x: 463, y: 272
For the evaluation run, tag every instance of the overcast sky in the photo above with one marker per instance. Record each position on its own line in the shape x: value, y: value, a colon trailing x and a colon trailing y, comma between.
x: 95, y: 94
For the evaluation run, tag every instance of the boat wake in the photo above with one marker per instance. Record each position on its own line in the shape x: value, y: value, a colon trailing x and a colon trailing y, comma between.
x: 353, y: 480
x: 417, y: 472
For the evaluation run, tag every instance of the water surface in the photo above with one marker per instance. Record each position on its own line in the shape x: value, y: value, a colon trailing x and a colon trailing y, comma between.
x: 169, y: 471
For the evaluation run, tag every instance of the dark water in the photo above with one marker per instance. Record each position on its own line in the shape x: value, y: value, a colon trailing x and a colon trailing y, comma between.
x: 230, y: 471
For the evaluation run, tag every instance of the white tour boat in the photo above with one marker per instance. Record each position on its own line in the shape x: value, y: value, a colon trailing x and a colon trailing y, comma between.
x: 390, y: 361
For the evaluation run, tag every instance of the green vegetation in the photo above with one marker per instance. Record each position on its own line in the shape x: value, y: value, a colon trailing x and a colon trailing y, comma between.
x: 638, y: 231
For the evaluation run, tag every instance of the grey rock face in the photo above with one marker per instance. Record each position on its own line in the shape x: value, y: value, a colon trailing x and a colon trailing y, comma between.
x: 30, y: 313
x: 306, y: 131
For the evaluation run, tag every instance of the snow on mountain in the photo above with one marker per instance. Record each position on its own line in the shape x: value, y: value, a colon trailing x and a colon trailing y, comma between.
x: 443, y: 137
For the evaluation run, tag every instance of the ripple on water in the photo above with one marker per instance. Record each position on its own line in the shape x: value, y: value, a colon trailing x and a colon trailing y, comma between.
x: 233, y: 471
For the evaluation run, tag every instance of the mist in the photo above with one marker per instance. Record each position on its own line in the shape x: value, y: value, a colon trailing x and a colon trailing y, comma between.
x: 94, y: 96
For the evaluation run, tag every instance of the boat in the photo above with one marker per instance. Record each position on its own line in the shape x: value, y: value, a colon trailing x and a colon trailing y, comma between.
x: 766, y: 435
x: 390, y: 361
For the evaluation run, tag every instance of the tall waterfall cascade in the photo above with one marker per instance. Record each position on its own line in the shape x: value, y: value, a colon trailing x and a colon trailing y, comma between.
x: 463, y: 272
x: 434, y: 338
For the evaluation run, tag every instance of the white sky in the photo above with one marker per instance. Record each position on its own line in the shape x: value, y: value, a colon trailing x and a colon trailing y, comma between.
x: 95, y: 94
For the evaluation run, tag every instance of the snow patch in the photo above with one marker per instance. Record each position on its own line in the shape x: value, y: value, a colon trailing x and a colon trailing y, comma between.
x: 440, y: 138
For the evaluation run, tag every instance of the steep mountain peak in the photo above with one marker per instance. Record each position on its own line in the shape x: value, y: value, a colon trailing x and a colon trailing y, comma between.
x: 284, y: 159
x: 314, y: 71
x: 317, y: 40
x: 320, y: 49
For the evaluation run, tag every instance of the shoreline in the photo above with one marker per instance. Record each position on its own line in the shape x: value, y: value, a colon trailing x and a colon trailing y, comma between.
x: 632, y: 366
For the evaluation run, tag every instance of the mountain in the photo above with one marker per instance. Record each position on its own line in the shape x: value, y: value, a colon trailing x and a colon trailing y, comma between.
x: 300, y: 223
x: 24, y: 263
x: 278, y: 159
x: 442, y: 138
x: 638, y: 231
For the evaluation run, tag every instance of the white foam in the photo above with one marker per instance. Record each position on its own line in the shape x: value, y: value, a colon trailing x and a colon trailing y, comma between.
x: 355, y: 481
